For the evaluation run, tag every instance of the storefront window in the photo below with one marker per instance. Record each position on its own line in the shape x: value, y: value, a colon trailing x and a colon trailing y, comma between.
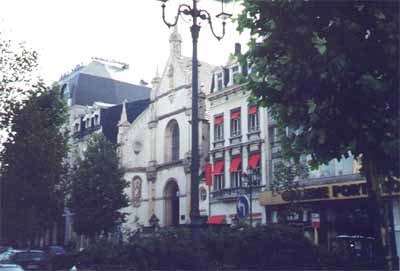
x: 344, y: 166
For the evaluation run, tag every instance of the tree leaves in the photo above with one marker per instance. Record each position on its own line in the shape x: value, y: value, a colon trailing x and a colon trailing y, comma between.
x: 98, y: 189
x: 18, y: 77
x: 317, y: 71
x: 33, y: 168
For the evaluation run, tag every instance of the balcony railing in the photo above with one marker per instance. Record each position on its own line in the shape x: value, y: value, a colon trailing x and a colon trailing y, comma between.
x: 86, y: 131
x: 230, y: 194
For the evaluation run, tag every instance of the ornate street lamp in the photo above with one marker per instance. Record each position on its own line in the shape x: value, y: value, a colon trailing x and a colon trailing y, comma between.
x: 197, y: 15
x: 251, y: 178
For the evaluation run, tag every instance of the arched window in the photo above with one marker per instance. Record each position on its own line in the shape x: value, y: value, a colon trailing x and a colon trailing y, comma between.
x: 175, y: 143
x: 172, y: 139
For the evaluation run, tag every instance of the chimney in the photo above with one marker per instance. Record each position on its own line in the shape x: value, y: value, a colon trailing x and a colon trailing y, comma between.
x: 238, y: 49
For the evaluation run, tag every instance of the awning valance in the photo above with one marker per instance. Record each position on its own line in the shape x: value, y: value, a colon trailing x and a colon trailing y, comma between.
x: 253, y: 110
x: 216, y: 219
x: 218, y: 167
x: 254, y: 160
x: 235, y: 115
x: 218, y: 120
x: 235, y: 163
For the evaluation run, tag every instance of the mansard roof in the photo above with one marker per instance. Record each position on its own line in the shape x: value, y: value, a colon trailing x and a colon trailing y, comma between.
x: 87, y: 89
x: 110, y: 117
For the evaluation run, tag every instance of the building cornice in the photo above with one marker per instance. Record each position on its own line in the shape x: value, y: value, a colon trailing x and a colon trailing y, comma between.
x: 225, y: 92
x: 237, y: 145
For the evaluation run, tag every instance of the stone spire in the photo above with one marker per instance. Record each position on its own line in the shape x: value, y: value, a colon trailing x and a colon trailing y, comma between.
x: 124, y: 117
x: 175, y: 42
x: 155, y: 82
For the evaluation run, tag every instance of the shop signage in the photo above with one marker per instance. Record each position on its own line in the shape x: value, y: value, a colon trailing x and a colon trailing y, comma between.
x: 242, y: 207
x: 315, y: 220
x: 337, y: 191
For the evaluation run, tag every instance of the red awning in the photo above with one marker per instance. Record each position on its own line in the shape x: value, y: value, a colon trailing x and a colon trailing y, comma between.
x: 208, y: 174
x: 235, y: 164
x: 218, y: 120
x: 253, y: 161
x: 253, y: 110
x: 235, y: 115
x: 216, y: 219
x: 218, y: 166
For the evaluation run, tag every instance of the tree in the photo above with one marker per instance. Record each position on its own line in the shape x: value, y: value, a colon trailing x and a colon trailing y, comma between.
x: 33, y: 167
x: 18, y: 67
x: 98, y: 189
x: 287, y: 180
x: 329, y: 70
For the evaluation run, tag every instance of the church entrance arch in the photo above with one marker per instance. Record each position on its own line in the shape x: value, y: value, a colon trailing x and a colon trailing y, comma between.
x: 171, y: 206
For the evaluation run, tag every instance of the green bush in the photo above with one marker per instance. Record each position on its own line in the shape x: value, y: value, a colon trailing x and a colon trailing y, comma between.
x: 272, y: 247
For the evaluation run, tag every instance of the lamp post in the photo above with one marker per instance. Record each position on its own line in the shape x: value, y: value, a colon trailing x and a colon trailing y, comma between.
x: 250, y: 178
x: 197, y: 15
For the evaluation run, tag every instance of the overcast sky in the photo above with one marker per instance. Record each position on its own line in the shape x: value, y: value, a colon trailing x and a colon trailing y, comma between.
x: 69, y: 32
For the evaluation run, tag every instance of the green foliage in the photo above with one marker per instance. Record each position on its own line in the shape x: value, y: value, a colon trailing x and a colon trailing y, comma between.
x: 330, y: 71
x: 33, y: 167
x: 18, y: 80
x: 97, y: 189
x: 264, y: 247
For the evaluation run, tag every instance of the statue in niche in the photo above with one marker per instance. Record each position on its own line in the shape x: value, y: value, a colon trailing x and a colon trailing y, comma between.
x: 136, y: 192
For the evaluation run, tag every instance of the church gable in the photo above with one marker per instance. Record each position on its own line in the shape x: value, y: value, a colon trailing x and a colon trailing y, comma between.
x: 175, y: 75
x: 135, y: 144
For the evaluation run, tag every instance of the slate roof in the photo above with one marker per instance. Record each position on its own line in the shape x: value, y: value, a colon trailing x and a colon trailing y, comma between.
x: 110, y: 117
x: 87, y: 89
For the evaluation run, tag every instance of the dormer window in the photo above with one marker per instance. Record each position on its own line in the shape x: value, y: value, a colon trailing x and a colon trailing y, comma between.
x: 235, y: 72
x: 76, y: 128
x: 219, y: 81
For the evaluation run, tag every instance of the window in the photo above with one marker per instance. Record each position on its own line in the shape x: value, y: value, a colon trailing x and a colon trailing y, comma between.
x: 96, y: 119
x: 76, y: 128
x: 236, y: 172
x: 344, y: 166
x: 219, y: 128
x: 219, y: 182
x: 235, y: 123
x: 171, y: 144
x: 219, y: 81
x: 253, y: 119
x: 235, y: 72
x: 219, y: 177
x: 175, y: 143
x: 274, y: 135
x: 254, y: 165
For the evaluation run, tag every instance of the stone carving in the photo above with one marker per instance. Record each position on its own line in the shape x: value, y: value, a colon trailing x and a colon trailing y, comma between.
x: 137, y: 147
x: 136, y: 192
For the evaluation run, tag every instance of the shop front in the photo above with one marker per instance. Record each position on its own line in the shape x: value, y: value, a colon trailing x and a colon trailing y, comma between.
x: 333, y: 215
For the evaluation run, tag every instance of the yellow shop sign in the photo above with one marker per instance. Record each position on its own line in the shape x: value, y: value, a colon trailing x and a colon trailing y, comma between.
x: 337, y: 191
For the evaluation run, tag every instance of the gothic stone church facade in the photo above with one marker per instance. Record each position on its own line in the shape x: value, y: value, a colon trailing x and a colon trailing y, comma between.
x: 155, y: 148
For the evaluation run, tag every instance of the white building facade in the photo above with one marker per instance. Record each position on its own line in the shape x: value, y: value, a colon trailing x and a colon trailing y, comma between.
x: 155, y: 147
x: 238, y: 135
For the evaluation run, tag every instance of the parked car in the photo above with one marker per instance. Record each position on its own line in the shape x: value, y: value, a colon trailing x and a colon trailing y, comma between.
x: 10, y: 267
x: 4, y: 248
x: 5, y: 257
x: 55, y: 251
x: 31, y: 259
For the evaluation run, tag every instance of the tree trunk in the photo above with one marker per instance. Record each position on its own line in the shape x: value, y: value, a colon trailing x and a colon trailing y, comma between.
x: 379, y: 211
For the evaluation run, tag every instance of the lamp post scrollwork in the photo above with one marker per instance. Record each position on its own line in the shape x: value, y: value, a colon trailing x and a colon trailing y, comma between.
x: 250, y: 179
x: 197, y: 15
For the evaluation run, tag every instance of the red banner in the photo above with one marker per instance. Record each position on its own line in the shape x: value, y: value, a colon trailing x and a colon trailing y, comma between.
x: 208, y: 174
